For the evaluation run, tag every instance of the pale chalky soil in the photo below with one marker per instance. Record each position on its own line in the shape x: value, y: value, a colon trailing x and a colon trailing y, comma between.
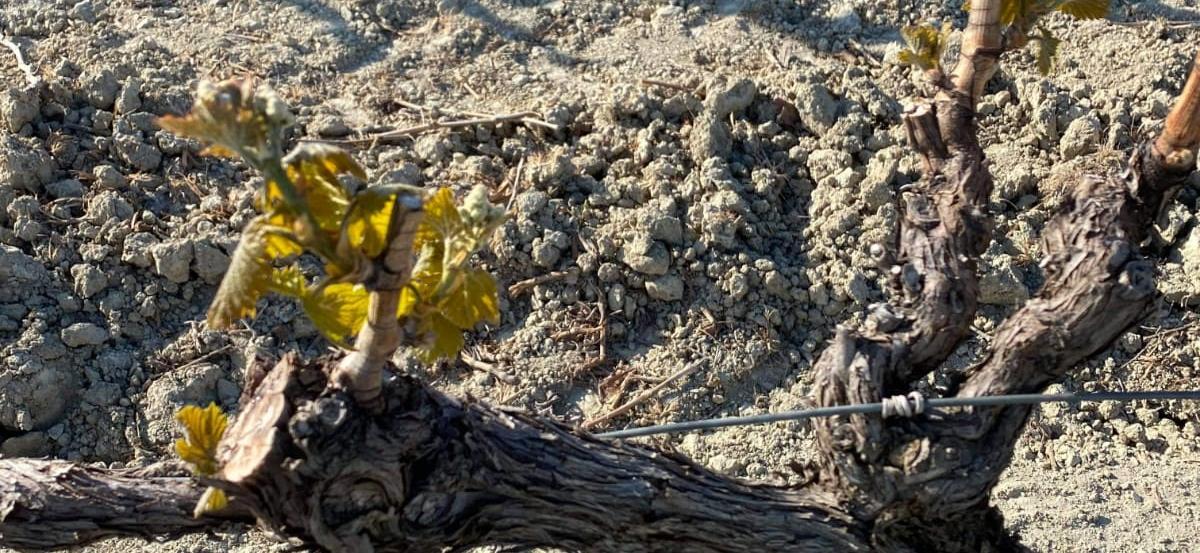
x: 730, y: 226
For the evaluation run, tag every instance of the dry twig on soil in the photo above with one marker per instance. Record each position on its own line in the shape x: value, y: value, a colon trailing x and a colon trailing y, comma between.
x: 642, y: 397
x: 30, y: 75
x: 527, y: 118
x: 528, y: 284
x: 489, y: 368
x: 665, y: 84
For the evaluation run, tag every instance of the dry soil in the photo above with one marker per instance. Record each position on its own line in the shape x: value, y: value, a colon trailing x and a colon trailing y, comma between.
x: 723, y: 170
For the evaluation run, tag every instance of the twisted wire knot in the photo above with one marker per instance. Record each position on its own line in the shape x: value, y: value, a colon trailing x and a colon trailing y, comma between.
x: 907, y: 406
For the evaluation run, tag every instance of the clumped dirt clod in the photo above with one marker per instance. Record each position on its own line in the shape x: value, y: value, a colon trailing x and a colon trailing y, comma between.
x: 723, y: 173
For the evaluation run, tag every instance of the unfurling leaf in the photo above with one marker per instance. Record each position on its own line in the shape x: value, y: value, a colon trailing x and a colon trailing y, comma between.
x: 423, y: 284
x: 277, y: 244
x: 444, y: 295
x: 203, y: 429
x: 338, y: 310
x: 1030, y: 10
x: 313, y: 170
x: 249, y: 273
x: 462, y: 230
x: 1085, y: 9
x: 236, y: 117
x: 288, y: 281
x: 1047, y: 51
x: 212, y: 500
x: 478, y: 212
x: 925, y: 45
x: 305, y: 207
x: 1011, y: 10
x: 442, y: 220
x: 443, y: 339
x: 366, y: 225
x: 472, y: 300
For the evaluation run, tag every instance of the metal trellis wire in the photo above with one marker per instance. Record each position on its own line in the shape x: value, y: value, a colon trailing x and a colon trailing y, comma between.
x: 880, y: 409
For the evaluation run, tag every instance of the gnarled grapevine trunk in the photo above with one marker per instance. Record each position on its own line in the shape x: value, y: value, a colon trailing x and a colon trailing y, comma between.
x: 431, y: 472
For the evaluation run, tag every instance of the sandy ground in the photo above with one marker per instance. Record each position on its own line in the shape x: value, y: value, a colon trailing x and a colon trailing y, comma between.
x: 724, y: 169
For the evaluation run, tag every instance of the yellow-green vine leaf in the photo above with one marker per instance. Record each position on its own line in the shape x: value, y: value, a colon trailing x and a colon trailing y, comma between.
x: 443, y: 340
x: 278, y: 244
x: 423, y: 284
x: 410, y: 298
x: 314, y: 168
x: 443, y: 243
x: 1085, y: 9
x: 249, y: 273
x: 288, y: 281
x: 366, y: 224
x: 234, y: 116
x: 445, y: 296
x: 338, y: 310
x: 1010, y: 10
x: 1047, y: 51
x: 212, y: 500
x: 442, y: 220
x: 925, y: 45
x: 203, y: 429
x: 472, y: 300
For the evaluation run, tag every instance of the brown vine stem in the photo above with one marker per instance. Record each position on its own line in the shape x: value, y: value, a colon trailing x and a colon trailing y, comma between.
x: 361, y: 370
x: 981, y: 49
x: 1181, y: 134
